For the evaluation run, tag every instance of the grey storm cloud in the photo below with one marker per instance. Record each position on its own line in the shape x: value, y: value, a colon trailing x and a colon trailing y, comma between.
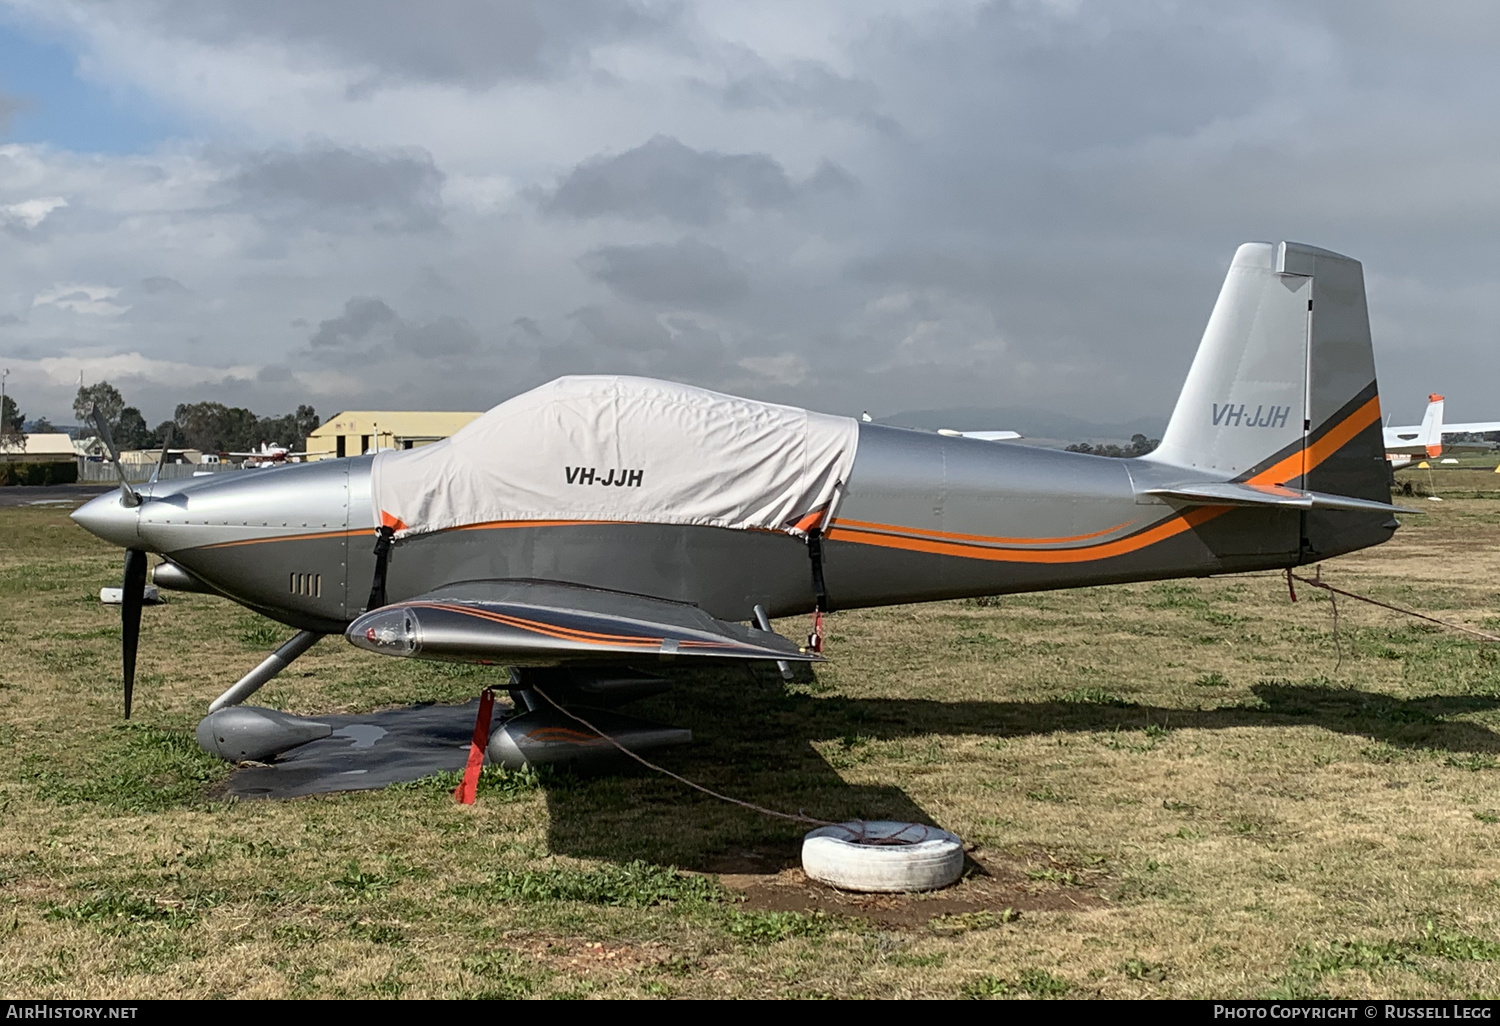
x: 1018, y: 202
x: 274, y: 373
x: 663, y: 178
x: 394, y: 190
x: 807, y: 86
x: 684, y: 273
x: 622, y: 339
x: 371, y: 328
x: 470, y: 43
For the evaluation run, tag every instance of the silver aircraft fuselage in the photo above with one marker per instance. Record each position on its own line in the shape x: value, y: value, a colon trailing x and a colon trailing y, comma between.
x: 923, y: 517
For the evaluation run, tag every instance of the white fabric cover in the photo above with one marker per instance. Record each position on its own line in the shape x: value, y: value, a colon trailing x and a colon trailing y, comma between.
x: 686, y: 455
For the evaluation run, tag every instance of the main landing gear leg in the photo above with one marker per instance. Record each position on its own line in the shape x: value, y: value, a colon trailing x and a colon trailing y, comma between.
x: 257, y: 678
x: 764, y: 623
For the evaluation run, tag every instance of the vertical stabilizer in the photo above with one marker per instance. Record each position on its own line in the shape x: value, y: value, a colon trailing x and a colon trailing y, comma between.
x: 1431, y: 434
x: 1282, y: 390
x: 1246, y: 394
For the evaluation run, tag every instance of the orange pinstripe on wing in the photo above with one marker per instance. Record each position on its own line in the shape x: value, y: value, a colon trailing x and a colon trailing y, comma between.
x: 562, y: 633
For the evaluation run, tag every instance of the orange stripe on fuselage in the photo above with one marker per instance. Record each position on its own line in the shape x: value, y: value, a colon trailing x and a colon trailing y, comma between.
x: 1086, y: 553
x: 1331, y: 442
x: 291, y: 537
x: 1280, y: 473
x: 923, y: 532
x: 493, y: 524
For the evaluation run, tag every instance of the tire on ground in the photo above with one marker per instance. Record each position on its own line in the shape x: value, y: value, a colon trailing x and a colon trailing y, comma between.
x: 882, y: 856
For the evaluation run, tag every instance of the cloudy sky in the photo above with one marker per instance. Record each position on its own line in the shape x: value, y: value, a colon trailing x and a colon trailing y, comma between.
x: 845, y: 205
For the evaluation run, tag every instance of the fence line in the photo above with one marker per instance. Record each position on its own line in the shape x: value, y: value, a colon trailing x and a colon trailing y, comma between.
x: 139, y: 473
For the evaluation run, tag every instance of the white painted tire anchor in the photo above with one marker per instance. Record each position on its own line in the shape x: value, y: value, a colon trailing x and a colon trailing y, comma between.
x: 882, y: 856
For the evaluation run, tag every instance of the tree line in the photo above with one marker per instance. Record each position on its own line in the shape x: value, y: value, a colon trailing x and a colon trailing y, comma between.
x: 208, y: 427
x: 1139, y: 446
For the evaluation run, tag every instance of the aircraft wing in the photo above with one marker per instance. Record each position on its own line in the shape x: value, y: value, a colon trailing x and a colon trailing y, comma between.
x: 1230, y: 493
x: 541, y: 623
x: 1477, y: 428
x: 983, y: 436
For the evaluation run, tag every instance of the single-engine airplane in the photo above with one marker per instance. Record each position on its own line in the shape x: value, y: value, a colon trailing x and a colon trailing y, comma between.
x: 267, y: 455
x: 597, y: 523
x: 1426, y: 439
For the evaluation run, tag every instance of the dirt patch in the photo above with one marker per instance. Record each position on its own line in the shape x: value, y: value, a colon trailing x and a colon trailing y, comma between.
x: 992, y: 883
x: 575, y: 955
x: 756, y: 862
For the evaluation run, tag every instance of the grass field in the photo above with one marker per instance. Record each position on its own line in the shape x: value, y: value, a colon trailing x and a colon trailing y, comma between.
x: 1172, y: 790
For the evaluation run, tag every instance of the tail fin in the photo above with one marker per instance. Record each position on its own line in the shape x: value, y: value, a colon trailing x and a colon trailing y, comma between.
x: 1431, y: 434
x: 1282, y: 391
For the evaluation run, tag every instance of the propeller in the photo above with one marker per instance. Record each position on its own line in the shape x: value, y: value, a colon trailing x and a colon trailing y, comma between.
x: 133, y: 588
x: 128, y: 495
x: 166, y: 444
x: 132, y: 598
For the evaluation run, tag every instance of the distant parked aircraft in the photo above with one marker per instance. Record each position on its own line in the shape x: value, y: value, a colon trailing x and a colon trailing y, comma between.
x: 1426, y: 439
x: 268, y: 456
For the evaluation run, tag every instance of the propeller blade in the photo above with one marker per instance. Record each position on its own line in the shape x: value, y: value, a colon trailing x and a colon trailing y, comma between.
x: 131, y: 601
x: 166, y: 444
x: 128, y: 495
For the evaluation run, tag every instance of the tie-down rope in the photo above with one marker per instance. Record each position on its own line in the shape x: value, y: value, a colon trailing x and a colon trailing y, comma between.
x: 797, y: 818
x: 1318, y: 582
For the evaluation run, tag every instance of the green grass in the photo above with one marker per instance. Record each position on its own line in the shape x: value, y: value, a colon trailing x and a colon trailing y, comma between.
x: 118, y: 912
x: 134, y: 768
x: 635, y: 884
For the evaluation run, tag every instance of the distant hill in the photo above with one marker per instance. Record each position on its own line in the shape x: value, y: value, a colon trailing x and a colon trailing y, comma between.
x: 1031, y: 422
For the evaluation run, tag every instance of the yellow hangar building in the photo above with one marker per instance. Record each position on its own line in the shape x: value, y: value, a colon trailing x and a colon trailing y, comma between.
x: 355, y: 432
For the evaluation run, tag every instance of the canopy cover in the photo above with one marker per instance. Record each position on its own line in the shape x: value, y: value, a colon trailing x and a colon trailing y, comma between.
x: 608, y: 448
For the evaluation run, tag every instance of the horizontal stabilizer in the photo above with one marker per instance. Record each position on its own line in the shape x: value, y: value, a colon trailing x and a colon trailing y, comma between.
x: 1229, y: 493
x: 542, y: 623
